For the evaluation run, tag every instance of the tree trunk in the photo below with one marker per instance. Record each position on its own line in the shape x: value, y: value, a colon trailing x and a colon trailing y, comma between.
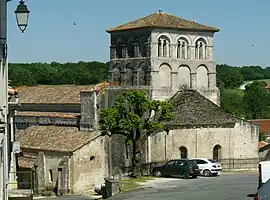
x: 136, y: 159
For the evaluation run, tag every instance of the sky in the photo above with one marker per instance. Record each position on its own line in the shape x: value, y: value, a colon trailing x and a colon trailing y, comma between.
x: 51, y: 36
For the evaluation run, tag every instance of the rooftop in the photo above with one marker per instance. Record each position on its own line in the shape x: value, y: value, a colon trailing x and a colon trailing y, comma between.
x: 55, y: 94
x: 47, y: 114
x: 264, y: 124
x: 54, y: 138
x: 163, y: 20
x: 194, y: 110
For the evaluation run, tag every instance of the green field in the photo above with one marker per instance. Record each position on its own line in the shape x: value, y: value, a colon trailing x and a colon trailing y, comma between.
x: 237, y: 91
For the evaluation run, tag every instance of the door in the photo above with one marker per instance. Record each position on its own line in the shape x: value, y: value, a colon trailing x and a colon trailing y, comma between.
x: 178, y: 168
x: 168, y: 169
x: 202, y: 164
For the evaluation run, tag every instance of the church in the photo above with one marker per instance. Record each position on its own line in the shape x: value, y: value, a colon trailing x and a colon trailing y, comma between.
x: 169, y: 57
x: 173, y: 58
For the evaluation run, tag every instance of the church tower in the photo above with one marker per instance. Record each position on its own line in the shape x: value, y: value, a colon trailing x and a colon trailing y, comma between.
x: 164, y: 53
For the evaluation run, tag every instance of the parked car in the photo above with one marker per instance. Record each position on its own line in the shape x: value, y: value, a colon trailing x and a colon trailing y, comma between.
x: 208, y: 166
x: 180, y: 167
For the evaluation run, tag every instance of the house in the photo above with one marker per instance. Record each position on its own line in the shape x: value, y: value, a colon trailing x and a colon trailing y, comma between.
x: 61, y: 158
x: 264, y: 127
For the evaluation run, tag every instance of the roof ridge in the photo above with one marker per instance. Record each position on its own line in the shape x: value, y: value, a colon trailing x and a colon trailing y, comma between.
x: 162, y: 19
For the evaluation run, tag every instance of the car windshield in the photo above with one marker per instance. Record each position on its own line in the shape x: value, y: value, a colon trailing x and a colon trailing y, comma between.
x: 212, y: 161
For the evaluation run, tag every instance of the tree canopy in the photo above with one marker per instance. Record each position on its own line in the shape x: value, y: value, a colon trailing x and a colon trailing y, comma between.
x: 81, y: 73
x: 136, y: 117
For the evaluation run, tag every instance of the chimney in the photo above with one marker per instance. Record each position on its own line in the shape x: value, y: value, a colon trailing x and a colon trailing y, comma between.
x: 89, y: 119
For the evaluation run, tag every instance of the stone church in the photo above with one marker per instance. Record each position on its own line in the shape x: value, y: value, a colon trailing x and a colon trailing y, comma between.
x: 169, y: 57
x: 173, y: 58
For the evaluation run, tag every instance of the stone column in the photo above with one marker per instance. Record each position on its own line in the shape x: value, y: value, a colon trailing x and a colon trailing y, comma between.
x: 123, y: 79
x: 148, y: 77
x: 136, y: 50
x: 210, y: 52
x: 193, y: 83
x: 147, y: 49
x: 212, y: 80
x: 112, y: 52
x: 136, y: 78
x: 192, y: 52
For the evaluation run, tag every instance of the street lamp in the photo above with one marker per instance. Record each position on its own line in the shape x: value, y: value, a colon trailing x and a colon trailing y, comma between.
x: 22, y: 14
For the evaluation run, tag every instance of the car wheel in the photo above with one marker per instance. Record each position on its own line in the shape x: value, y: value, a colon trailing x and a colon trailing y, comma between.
x: 158, y: 173
x: 185, y: 175
x: 206, y: 173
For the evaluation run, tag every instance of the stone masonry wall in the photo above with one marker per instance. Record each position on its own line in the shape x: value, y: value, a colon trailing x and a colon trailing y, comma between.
x: 238, y: 142
x: 89, y: 166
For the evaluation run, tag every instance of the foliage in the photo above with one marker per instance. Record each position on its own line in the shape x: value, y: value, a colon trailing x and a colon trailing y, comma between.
x: 136, y: 117
x: 81, y: 73
x: 262, y: 136
x: 256, y: 101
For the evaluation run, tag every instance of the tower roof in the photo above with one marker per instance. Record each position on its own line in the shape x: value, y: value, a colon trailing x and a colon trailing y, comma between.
x: 163, y: 20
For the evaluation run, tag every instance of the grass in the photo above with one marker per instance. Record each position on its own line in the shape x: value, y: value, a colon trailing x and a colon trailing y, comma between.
x: 237, y: 91
x: 133, y: 183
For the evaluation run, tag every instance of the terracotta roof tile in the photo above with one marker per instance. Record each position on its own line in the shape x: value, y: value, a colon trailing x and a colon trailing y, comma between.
x: 47, y: 114
x: 264, y: 124
x: 262, y: 144
x: 26, y: 162
x: 193, y: 109
x: 163, y: 20
x: 55, y: 94
x: 54, y: 138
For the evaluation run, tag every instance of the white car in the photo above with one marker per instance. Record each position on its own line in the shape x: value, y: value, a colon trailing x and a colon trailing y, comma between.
x: 208, y: 166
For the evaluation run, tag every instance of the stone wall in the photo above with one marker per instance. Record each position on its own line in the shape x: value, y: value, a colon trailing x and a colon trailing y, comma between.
x: 238, y: 142
x: 89, y: 166
x: 23, y: 122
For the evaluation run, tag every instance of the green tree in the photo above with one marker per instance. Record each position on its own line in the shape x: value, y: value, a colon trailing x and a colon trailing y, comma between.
x: 256, y: 101
x: 136, y: 117
x: 231, y: 102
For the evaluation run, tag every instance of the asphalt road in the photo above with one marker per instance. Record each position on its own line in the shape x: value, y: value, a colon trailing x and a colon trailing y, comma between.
x: 235, y: 186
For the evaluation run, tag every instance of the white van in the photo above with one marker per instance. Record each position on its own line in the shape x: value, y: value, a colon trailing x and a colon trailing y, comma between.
x: 264, y: 172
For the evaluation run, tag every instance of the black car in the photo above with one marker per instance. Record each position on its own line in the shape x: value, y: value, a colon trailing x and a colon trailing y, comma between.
x: 180, y: 167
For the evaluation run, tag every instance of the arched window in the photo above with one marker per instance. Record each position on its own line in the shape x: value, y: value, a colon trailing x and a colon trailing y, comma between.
x: 116, y: 76
x: 217, y: 152
x: 200, y: 49
x: 51, y: 175
x: 159, y: 48
x: 130, y: 48
x: 142, y: 46
x: 182, y: 49
x: 183, y: 152
x: 163, y: 47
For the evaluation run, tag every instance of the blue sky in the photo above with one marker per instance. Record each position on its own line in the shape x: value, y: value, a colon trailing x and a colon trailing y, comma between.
x: 51, y: 35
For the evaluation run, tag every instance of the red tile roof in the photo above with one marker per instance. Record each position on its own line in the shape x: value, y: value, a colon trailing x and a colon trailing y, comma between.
x: 48, y: 114
x: 163, y: 20
x: 56, y: 94
x: 262, y: 144
x: 54, y: 138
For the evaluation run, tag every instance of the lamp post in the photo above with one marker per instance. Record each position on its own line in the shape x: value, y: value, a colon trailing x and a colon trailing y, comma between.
x: 22, y: 14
